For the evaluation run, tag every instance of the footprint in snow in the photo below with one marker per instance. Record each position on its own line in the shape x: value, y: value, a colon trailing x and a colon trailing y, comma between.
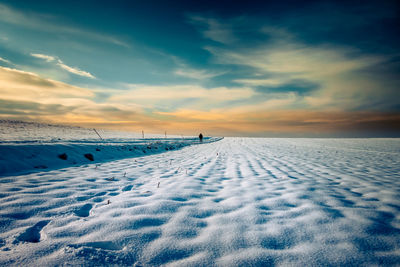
x: 32, y: 234
x: 84, y: 210
x: 83, y: 198
x: 127, y: 188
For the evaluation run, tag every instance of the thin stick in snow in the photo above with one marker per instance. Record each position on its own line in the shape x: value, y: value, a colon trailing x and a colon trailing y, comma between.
x: 98, y: 134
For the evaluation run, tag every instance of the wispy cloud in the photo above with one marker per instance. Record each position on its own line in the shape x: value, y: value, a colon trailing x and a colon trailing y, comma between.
x: 261, y: 82
x: 48, y: 23
x: 197, y: 74
x: 180, y: 95
x: 338, y: 71
x: 34, y: 97
x: 61, y: 64
x: 213, y: 29
x: 45, y: 57
x: 31, y: 86
x: 75, y: 70
x: 5, y: 60
x: 184, y: 69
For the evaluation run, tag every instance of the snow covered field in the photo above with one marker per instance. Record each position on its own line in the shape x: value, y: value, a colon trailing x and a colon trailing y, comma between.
x: 235, y: 202
x: 28, y: 147
x: 19, y: 131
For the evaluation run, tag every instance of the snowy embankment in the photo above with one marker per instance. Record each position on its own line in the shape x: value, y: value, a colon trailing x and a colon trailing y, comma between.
x: 236, y: 202
x: 27, y: 157
x: 54, y: 146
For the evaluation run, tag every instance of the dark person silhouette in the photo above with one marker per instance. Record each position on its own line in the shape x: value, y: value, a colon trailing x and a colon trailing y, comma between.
x: 201, y: 137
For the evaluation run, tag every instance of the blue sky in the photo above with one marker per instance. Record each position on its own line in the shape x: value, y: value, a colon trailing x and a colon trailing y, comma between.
x: 260, y: 68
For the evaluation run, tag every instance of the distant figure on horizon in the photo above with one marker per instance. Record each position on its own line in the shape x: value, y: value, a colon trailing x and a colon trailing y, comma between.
x: 201, y: 137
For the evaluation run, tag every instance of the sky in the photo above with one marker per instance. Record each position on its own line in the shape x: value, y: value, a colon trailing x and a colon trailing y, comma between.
x: 224, y: 68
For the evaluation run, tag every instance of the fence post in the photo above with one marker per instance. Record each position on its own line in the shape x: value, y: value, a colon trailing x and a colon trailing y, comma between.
x: 98, y: 134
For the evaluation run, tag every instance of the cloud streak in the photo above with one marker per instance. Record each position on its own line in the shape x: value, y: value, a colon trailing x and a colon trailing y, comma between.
x: 5, y: 60
x: 213, y: 29
x: 48, y: 23
x: 172, y: 96
x: 45, y: 57
x: 196, y: 74
x: 24, y: 86
x: 75, y: 70
x: 61, y: 64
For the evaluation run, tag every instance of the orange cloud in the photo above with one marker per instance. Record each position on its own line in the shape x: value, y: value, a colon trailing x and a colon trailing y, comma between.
x: 27, y: 86
x: 157, y: 95
x: 27, y: 96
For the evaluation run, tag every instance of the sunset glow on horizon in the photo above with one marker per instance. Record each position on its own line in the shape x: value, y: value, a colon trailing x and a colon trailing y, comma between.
x: 301, y: 69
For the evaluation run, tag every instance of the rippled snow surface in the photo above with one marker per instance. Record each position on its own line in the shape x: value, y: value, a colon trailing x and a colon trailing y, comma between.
x: 235, y: 202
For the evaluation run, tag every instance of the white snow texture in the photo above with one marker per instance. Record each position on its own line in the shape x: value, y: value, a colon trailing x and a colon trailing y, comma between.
x: 235, y: 202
